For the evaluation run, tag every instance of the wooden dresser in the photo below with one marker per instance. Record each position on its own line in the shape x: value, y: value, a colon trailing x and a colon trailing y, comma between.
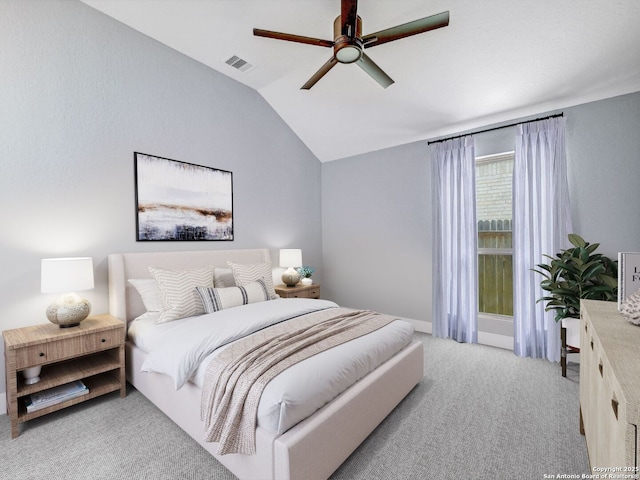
x: 609, y: 387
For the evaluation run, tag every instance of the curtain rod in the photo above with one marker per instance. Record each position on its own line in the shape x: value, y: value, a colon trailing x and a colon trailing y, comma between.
x: 496, y: 128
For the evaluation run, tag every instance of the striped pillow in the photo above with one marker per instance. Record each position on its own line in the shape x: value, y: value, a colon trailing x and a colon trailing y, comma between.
x: 179, y: 297
x: 248, y: 273
x: 215, y: 299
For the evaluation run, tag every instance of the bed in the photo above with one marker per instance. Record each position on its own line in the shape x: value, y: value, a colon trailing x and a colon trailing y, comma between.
x: 311, y: 449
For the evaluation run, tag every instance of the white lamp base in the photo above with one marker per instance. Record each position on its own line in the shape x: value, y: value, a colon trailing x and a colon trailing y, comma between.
x: 69, y: 310
x: 290, y: 277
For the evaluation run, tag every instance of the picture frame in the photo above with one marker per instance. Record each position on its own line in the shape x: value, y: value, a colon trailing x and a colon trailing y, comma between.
x: 628, y: 275
x: 180, y: 201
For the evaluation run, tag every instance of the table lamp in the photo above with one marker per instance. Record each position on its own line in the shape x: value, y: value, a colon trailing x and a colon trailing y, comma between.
x: 290, y: 258
x: 67, y: 276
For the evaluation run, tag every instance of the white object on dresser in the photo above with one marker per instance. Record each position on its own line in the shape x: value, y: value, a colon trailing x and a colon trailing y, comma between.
x: 609, y: 386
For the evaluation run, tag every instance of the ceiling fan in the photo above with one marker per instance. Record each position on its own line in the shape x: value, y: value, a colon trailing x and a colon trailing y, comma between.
x: 349, y: 44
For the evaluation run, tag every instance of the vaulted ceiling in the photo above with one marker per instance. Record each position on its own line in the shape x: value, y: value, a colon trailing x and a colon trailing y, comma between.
x: 496, y: 61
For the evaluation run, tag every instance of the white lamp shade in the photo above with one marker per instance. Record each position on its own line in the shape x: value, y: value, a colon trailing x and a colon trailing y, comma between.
x: 63, y: 275
x: 290, y: 257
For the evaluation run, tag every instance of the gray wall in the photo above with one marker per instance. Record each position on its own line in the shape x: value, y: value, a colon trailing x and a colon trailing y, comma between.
x: 376, y: 208
x: 376, y: 211
x: 79, y: 93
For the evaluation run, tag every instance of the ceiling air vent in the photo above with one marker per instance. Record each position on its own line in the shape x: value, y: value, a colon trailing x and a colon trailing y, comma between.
x: 238, y: 63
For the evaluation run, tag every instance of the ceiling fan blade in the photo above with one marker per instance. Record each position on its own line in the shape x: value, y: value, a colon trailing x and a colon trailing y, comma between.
x: 292, y: 38
x: 349, y: 14
x: 320, y: 73
x: 369, y: 66
x: 406, y: 30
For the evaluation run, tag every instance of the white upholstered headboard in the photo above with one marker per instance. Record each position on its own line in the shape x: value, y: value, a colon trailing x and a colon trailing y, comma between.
x: 125, y: 302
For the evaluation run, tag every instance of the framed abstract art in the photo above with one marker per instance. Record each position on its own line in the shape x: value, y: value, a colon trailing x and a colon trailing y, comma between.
x: 179, y: 201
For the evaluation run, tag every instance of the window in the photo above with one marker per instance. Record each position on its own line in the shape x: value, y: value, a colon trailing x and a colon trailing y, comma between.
x: 494, y: 178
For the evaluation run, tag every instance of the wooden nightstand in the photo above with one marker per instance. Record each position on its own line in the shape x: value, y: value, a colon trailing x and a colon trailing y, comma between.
x: 299, y: 291
x: 92, y: 352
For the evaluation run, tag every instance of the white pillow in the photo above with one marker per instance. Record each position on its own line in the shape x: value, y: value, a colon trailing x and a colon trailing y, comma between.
x: 223, y: 277
x: 247, y: 273
x: 216, y: 299
x: 148, y: 317
x: 178, y: 287
x: 149, y: 292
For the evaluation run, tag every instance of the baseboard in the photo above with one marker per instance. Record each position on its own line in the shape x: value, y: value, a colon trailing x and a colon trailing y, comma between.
x: 419, y: 325
x: 495, y: 340
x: 484, y: 338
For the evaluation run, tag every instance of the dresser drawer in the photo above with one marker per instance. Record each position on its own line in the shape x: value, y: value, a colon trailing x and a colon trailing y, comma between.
x: 67, y: 348
x: 611, y: 423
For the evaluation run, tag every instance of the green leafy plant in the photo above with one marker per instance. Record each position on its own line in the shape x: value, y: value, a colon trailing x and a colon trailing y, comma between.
x: 577, y: 273
x: 306, y: 272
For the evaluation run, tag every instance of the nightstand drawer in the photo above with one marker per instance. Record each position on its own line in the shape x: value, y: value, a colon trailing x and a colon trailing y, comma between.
x: 102, y: 340
x: 29, y: 356
x: 67, y: 348
x: 313, y: 292
x: 299, y: 291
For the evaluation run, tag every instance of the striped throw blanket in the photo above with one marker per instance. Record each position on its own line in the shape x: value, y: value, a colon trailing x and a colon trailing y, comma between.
x: 235, y: 379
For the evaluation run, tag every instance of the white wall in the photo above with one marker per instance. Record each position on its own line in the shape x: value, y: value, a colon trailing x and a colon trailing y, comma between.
x: 79, y: 93
x: 376, y: 209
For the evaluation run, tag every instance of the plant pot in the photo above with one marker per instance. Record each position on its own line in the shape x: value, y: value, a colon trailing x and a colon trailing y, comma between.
x: 572, y: 325
x: 306, y: 281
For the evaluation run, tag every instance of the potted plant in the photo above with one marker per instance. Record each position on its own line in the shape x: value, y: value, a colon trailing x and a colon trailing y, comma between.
x: 577, y: 273
x: 573, y: 274
x: 305, y: 274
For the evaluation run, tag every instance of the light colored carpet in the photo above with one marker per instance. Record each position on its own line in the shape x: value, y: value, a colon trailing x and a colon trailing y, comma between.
x: 480, y: 413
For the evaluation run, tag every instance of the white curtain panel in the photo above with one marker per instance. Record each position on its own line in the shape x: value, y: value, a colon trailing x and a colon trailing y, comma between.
x: 455, y: 263
x: 541, y: 223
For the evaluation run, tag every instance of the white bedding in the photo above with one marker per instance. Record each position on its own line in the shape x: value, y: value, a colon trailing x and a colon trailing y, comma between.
x: 183, y: 349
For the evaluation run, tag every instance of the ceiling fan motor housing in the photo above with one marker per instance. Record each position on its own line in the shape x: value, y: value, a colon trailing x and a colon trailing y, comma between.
x: 347, y: 46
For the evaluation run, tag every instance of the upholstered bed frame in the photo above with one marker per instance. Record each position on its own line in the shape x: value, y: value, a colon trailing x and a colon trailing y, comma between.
x: 315, y: 447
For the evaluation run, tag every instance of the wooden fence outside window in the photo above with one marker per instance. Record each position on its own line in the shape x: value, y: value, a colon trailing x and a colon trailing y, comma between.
x: 495, y: 267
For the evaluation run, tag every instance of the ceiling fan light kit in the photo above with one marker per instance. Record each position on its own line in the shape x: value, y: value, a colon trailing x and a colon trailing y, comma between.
x: 348, y: 43
x: 347, y: 49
